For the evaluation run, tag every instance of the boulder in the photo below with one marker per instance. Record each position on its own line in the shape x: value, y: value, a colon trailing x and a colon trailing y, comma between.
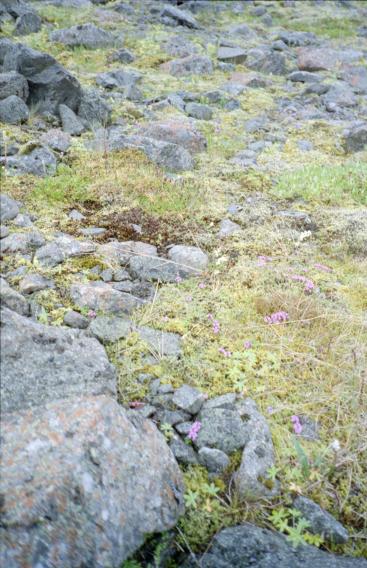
x: 101, y: 297
x: 33, y: 282
x: 231, y: 54
x: 175, y: 131
x: 84, y: 485
x: 21, y: 242
x: 28, y: 23
x: 85, y: 35
x: 49, y: 83
x: 56, y: 139
x: 42, y: 363
x: 189, y: 399
x: 190, y: 260
x: 190, y: 65
x: 39, y: 161
x: 355, y: 139
x: 199, y: 111
x: 181, y: 17
x: 321, y: 522
x: 266, y: 60
x: 325, y: 59
x: 93, y: 109
x: 13, y: 110
x: 9, y: 208
x: 222, y: 429
x: 118, y: 78
x: 247, y: 545
x: 13, y: 83
x: 12, y: 299
x: 70, y: 122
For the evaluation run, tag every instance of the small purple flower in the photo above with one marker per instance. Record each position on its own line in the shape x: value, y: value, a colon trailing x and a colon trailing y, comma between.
x: 277, y: 317
x: 188, y: 298
x: 178, y: 279
x: 165, y: 318
x: 202, y: 285
x: 309, y: 285
x: 224, y: 352
x: 216, y: 326
x: 270, y: 410
x: 92, y: 314
x: 247, y: 344
x: 194, y: 431
x: 297, y: 426
x: 263, y: 260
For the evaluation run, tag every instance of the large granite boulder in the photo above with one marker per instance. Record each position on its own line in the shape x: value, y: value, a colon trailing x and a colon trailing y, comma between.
x: 40, y: 364
x: 83, y: 485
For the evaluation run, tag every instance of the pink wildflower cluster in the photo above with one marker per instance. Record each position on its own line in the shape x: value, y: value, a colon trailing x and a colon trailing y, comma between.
x: 202, y: 285
x: 92, y: 314
x: 216, y: 326
x: 263, y: 260
x: 178, y: 279
x: 194, y: 431
x: 224, y: 352
x: 247, y: 344
x: 277, y: 317
x: 309, y: 285
x: 136, y: 404
x: 297, y: 426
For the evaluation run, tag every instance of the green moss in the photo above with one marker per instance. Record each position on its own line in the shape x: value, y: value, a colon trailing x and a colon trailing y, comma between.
x: 66, y: 187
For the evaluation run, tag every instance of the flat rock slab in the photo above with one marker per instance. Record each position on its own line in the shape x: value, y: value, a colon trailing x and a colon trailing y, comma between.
x: 84, y: 485
x: 85, y: 35
x: 247, y: 545
x: 41, y: 363
x: 101, y: 297
x: 222, y: 429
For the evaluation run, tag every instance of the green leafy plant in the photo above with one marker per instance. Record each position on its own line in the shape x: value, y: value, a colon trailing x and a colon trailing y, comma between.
x: 291, y: 523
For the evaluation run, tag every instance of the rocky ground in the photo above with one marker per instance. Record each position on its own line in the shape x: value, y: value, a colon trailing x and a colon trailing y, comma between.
x: 184, y: 270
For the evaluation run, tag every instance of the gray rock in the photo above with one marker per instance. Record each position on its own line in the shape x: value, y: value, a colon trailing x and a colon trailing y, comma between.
x: 180, y: 16
x: 304, y: 77
x: 12, y: 83
x: 75, y: 215
x: 163, y: 343
x: 56, y: 139
x: 28, y: 23
x: 49, y: 255
x: 121, y: 252
x: 107, y: 275
x: 70, y: 122
x: 40, y: 161
x: 224, y: 401
x: 85, y: 35
x: 101, y: 297
x: 75, y: 320
x: 21, y: 242
x: 9, y: 208
x: 252, y: 479
x: 23, y: 220
x: 199, y: 111
x: 154, y: 269
x: 4, y: 231
x: 247, y: 545
x: 231, y: 54
x: 355, y: 139
x: 172, y: 417
x: 340, y: 95
x: 42, y: 363
x: 63, y: 247
x: 178, y: 46
x: 34, y: 283
x: 179, y: 132
x: 356, y: 77
x: 188, y: 399
x: 118, y: 78
x: 184, y: 453
x: 191, y: 65
x: 189, y: 260
x: 228, y: 228
x: 242, y: 30
x: 93, y: 232
x: 321, y: 522
x: 223, y: 429
x: 49, y: 83
x: 109, y: 329
x: 93, y: 109
x: 170, y: 156
x: 266, y: 60
x: 214, y: 460
x: 13, y: 110
x: 324, y: 59
x: 183, y: 428
x: 297, y: 39
x: 122, y: 55
x: 91, y: 480
x: 12, y: 299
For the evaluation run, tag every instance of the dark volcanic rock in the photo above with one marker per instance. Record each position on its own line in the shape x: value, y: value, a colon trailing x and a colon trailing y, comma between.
x: 13, y: 110
x: 13, y: 84
x: 84, y: 485
x: 85, y: 35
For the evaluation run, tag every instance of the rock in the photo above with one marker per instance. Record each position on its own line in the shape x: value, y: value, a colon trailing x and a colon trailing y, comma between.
x: 70, y: 122
x: 49, y: 83
x: 109, y: 329
x: 179, y: 132
x: 171, y: 417
x: 34, y: 283
x: 191, y: 65
x: 246, y: 545
x: 340, y: 95
x: 9, y: 208
x: 242, y: 30
x: 304, y: 77
x: 231, y: 54
x: 356, y: 77
x: 178, y: 46
x: 224, y: 401
x: 324, y: 59
x: 183, y: 18
x: 100, y: 297
x: 188, y: 399
x: 190, y: 260
x: 164, y: 344
x: 118, y: 78
x: 228, y: 228
x: 121, y: 252
x: 122, y: 55
x: 355, y: 139
x: 321, y: 522
x: 297, y: 39
x: 42, y: 363
x: 252, y: 479
x: 199, y: 111
x: 12, y: 299
x: 23, y: 220
x: 86, y: 467
x: 214, y: 460
x: 4, y: 231
x: 15, y: 8
x: 93, y: 109
x: 252, y: 80
x: 75, y: 320
x: 222, y: 429
x: 57, y: 140
x: 170, y: 156
x: 13, y: 110
x: 40, y: 162
x: 266, y: 60
x: 61, y: 248
x: 75, y: 215
x: 85, y: 35
x: 93, y: 232
x: 21, y: 242
x: 28, y: 23
x: 183, y: 453
x: 154, y: 269
x: 12, y: 83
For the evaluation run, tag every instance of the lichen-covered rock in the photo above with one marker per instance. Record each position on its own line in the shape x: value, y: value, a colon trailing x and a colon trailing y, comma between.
x: 101, y: 297
x: 85, y: 35
x: 321, y: 522
x: 222, y: 429
x: 21, y: 242
x: 13, y: 110
x: 43, y: 363
x: 190, y: 260
x: 188, y: 399
x: 355, y: 138
x: 84, y: 485
x: 180, y: 132
x: 13, y: 84
x: 12, y: 299
x: 9, y: 208
x: 40, y: 161
x: 190, y: 65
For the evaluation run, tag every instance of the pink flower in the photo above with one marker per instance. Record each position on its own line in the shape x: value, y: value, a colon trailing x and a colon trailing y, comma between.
x: 247, y: 344
x: 263, y: 260
x: 194, y: 431
x: 178, y: 279
x: 224, y: 352
x: 277, y: 317
x: 136, y: 404
x: 309, y: 285
x: 92, y: 314
x: 165, y: 318
x: 188, y: 298
x: 202, y: 285
x: 297, y: 426
x: 270, y: 410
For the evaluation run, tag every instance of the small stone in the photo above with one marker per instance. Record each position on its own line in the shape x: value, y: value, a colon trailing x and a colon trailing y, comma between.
x: 321, y: 522
x: 355, y: 139
x: 23, y: 220
x: 199, y: 111
x: 191, y: 65
x: 121, y: 275
x: 70, y: 122
x: 9, y: 208
x: 172, y: 417
x: 4, y: 231
x: 184, y: 453
x: 92, y: 231
x: 57, y: 140
x: 13, y: 110
x: 183, y: 428
x: 223, y: 429
x: 214, y: 460
x: 189, y: 399
x: 12, y: 299
x: 75, y: 320
x: 28, y: 23
x: 107, y: 275
x: 228, y: 228
x: 231, y: 54
x: 34, y: 283
x: 191, y: 260
x: 75, y: 215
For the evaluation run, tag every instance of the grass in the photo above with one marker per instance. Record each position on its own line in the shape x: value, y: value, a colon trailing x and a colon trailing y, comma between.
x: 66, y: 187
x: 337, y: 184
